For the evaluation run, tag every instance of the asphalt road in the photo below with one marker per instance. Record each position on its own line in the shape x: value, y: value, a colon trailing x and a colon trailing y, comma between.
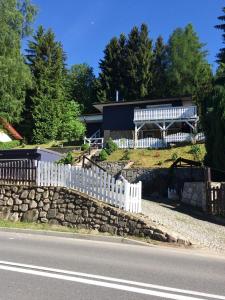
x: 41, y: 267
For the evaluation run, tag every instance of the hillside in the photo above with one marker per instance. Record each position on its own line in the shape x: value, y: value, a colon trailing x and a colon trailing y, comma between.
x: 158, y: 158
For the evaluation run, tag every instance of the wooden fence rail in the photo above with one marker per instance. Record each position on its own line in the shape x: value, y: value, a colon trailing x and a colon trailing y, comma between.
x: 216, y: 200
x: 93, y: 181
x: 18, y: 172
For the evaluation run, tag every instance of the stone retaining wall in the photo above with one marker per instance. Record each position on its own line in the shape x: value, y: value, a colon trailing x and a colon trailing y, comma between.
x: 55, y: 205
x: 156, y: 180
x: 194, y: 193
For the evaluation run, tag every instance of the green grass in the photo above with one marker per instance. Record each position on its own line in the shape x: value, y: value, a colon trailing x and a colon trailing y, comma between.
x: 44, y: 226
x: 155, y: 158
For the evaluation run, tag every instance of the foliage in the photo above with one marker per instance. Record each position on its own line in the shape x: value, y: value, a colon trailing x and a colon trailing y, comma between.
x: 16, y: 17
x: 139, y: 62
x: 85, y: 147
x: 126, y: 155
x: 214, y: 123
x: 110, y: 146
x: 67, y: 160
x: 82, y: 86
x: 215, y: 130
x: 188, y: 70
x: 71, y: 128
x: 174, y: 156
x: 9, y: 145
x: 147, y: 159
x: 46, y: 101
x: 126, y: 66
x: 159, y: 69
x: 196, y: 152
x: 103, y: 155
x: 111, y: 77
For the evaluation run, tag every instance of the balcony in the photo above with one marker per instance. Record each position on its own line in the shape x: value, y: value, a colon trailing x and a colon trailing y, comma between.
x: 165, y: 114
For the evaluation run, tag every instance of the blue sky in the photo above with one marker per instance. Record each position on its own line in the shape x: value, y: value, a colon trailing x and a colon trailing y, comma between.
x: 85, y: 26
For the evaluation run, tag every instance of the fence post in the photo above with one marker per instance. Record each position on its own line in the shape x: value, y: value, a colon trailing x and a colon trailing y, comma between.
x: 208, y: 196
x: 126, y: 195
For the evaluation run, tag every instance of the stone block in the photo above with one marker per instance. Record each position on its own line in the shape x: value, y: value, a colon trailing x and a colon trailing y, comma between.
x: 24, y: 194
x: 23, y: 207
x: 30, y: 215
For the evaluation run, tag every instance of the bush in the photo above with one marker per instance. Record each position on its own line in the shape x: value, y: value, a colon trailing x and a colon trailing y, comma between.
x: 126, y: 155
x: 9, y: 145
x: 196, y: 152
x: 110, y: 146
x: 103, y: 155
x: 160, y: 163
x: 67, y: 160
x: 174, y: 156
x: 85, y: 147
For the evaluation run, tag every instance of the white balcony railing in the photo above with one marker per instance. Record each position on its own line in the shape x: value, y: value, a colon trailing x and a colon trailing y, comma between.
x: 165, y: 113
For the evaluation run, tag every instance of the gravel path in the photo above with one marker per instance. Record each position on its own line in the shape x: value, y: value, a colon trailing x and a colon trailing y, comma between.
x: 199, y: 232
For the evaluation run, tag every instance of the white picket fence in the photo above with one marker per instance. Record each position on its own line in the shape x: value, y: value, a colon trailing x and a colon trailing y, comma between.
x: 159, y: 143
x: 93, y: 182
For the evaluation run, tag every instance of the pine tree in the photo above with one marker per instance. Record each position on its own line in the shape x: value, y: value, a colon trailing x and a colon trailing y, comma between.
x: 159, y: 68
x: 215, y: 117
x: 139, y: 63
x: 111, y: 75
x: 188, y: 70
x: 221, y: 54
x: 15, y: 23
x: 46, y: 59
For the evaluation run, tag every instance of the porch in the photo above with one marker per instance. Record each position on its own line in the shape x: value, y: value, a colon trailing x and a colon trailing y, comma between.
x: 156, y: 127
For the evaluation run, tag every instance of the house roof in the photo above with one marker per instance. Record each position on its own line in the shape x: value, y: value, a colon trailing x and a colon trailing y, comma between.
x: 99, y: 106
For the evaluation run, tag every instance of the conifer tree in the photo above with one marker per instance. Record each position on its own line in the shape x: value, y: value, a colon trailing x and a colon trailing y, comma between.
x: 46, y: 59
x: 111, y: 78
x: 139, y: 63
x: 16, y: 17
x: 159, y: 68
x: 188, y: 70
x: 215, y: 117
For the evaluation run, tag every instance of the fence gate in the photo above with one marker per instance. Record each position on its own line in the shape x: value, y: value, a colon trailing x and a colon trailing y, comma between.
x: 215, y: 197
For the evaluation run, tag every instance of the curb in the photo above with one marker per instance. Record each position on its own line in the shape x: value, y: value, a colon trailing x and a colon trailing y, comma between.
x: 80, y: 236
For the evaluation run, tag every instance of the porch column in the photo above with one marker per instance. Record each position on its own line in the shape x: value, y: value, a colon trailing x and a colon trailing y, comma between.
x: 135, y: 136
x: 164, y: 132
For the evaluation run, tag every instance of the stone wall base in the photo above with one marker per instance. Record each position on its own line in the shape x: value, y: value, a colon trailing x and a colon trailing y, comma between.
x: 60, y: 206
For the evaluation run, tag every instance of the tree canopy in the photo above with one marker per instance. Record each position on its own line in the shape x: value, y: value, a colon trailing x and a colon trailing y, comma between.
x: 15, y: 23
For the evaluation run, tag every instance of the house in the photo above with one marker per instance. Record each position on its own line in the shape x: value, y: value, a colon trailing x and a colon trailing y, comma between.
x: 30, y: 154
x: 151, y: 123
x: 9, y: 132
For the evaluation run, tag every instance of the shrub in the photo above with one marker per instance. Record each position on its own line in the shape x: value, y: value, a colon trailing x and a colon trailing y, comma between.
x: 160, y: 163
x: 196, y: 152
x: 9, y: 145
x: 85, y: 147
x: 174, y: 156
x: 126, y: 155
x: 67, y: 160
x: 103, y: 155
x: 110, y: 146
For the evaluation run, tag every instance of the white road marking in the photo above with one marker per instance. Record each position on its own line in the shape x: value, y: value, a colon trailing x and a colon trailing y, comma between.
x: 45, y: 272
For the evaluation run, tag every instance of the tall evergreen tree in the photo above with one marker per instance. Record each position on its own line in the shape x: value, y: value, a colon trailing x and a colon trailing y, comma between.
x: 188, y: 70
x: 111, y: 66
x: 215, y: 118
x: 139, y: 63
x: 16, y: 17
x: 46, y: 59
x: 82, y: 86
x: 159, y: 68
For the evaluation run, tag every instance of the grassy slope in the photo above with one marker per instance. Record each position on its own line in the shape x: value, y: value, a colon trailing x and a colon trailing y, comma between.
x: 155, y: 158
